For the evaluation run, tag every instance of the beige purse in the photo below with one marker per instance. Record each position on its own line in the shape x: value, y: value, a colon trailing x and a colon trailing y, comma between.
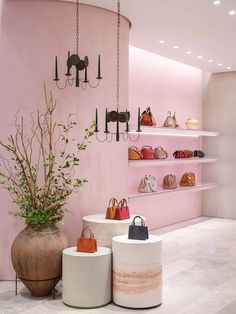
x: 192, y: 124
x: 169, y: 182
x: 160, y: 153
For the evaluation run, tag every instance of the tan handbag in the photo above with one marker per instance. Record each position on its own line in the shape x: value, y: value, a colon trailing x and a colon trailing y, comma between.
x: 134, y: 153
x: 160, y: 153
x: 169, y: 182
x: 188, y: 179
x: 111, y: 209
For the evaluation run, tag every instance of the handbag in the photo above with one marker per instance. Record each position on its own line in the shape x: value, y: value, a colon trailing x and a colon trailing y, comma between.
x: 199, y: 153
x: 134, y: 153
x: 188, y: 153
x: 122, y: 211
x: 160, y: 153
x: 147, y: 152
x: 88, y: 245
x: 138, y: 232
x: 188, y: 179
x: 111, y: 209
x: 148, y: 184
x: 169, y: 182
x: 179, y: 154
x: 170, y: 121
x: 147, y: 118
x: 192, y: 124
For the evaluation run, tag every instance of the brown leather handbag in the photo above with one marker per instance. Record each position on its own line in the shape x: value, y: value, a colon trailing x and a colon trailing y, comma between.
x: 188, y: 179
x: 188, y: 153
x: 88, y: 245
x: 147, y: 152
x: 134, y: 153
x: 111, y: 209
x: 169, y: 182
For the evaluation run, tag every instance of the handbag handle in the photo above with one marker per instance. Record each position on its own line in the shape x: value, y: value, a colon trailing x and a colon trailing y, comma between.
x: 142, y: 221
x: 123, y: 203
x: 147, y: 146
x: 113, y: 201
x: 90, y: 232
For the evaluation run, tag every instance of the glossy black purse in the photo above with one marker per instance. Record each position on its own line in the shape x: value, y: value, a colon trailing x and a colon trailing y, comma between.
x: 138, y: 232
x: 199, y: 153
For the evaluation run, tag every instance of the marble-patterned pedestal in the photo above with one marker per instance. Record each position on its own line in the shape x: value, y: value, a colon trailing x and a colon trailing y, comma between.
x: 105, y: 229
x: 137, y: 272
x: 86, y: 278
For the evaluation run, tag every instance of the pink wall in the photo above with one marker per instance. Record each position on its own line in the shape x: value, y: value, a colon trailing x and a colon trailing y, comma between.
x: 164, y: 84
x: 32, y: 33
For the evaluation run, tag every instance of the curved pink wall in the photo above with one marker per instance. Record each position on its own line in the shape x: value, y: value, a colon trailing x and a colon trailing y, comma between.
x: 32, y: 33
x: 164, y: 85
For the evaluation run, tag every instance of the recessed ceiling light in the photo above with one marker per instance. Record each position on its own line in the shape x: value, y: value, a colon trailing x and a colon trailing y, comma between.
x: 188, y: 52
x: 220, y: 64
x: 199, y: 57
x: 161, y: 42
x: 176, y: 47
x: 232, y: 12
x: 228, y: 68
x: 210, y: 61
x: 217, y: 2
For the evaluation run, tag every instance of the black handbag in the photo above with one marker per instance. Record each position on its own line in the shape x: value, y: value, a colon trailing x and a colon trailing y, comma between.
x: 199, y: 153
x: 138, y: 232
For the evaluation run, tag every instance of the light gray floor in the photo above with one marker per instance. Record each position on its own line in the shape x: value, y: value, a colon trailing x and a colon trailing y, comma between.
x: 199, y: 261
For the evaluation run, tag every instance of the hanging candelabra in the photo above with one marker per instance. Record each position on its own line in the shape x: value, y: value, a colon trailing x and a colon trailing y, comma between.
x: 79, y: 64
x: 115, y: 115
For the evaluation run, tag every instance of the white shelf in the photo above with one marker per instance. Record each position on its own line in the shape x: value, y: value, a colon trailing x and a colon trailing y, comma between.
x: 152, y: 130
x: 171, y: 161
x: 196, y: 188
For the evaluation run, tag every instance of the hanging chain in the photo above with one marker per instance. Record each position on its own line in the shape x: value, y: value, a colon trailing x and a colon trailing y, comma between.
x: 77, y: 27
x: 118, y: 58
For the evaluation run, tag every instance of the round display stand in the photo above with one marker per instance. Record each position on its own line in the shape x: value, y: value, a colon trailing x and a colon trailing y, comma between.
x: 137, y: 272
x: 105, y: 229
x: 86, y: 278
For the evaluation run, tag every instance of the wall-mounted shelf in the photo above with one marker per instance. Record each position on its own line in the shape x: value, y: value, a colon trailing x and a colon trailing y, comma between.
x: 171, y: 161
x: 196, y: 188
x: 152, y: 130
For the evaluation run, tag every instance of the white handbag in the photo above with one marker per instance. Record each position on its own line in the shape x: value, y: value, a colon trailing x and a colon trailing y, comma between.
x: 148, y: 184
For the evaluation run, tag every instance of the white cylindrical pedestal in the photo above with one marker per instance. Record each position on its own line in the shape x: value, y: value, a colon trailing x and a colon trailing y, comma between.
x: 105, y: 229
x: 86, y: 278
x: 137, y: 272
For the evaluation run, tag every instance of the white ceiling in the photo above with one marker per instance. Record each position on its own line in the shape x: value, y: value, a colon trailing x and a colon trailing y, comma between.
x: 198, y: 26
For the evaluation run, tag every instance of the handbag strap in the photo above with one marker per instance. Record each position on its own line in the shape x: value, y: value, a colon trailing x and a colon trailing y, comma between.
x: 142, y: 221
x: 90, y: 232
x: 123, y: 203
x: 113, y: 202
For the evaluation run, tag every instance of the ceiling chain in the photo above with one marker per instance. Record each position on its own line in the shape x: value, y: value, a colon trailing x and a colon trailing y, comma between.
x: 118, y: 58
x: 77, y: 27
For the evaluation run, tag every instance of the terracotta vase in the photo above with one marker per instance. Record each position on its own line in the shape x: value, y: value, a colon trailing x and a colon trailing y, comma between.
x: 36, y: 255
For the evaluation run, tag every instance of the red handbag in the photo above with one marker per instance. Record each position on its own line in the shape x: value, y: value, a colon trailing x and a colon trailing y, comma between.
x: 88, y: 245
x: 179, y: 154
x: 148, y: 152
x: 122, y: 211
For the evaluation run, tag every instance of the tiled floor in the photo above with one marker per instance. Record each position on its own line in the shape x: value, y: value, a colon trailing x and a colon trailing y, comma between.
x: 199, y: 263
